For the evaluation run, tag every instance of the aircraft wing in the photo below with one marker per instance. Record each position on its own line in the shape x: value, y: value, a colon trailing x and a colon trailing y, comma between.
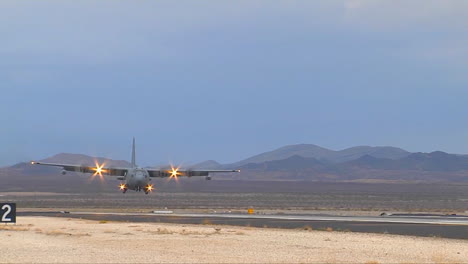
x: 86, y: 169
x: 162, y: 173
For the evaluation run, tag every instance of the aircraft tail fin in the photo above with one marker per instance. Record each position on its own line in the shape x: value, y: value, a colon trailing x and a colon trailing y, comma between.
x: 133, y: 154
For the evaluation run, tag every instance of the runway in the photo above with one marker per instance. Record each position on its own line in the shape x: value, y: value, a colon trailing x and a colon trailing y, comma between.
x: 416, y: 225
x: 445, y: 220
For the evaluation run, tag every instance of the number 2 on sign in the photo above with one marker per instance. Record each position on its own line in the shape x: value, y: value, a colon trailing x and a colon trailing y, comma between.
x: 7, y: 212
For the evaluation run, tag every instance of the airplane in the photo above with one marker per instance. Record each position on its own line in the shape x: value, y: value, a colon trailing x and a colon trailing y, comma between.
x: 135, y: 178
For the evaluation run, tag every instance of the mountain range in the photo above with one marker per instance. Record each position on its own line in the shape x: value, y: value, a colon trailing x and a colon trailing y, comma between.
x: 303, y: 162
x: 323, y: 154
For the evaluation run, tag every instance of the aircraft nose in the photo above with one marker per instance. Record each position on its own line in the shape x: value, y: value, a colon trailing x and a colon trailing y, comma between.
x: 140, y: 177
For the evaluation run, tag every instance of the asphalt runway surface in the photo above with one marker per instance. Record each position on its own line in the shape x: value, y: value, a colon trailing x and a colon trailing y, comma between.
x: 415, y: 225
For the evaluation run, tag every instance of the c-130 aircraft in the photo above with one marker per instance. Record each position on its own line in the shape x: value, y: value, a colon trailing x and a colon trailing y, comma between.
x: 135, y: 178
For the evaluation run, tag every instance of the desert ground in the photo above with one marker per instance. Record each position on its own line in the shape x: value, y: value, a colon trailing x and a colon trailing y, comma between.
x: 66, y: 240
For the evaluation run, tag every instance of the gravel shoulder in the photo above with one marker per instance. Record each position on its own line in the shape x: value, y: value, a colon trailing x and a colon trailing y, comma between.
x: 66, y: 240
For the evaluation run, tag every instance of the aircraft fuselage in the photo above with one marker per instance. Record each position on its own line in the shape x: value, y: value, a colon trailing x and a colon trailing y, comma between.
x: 137, y: 179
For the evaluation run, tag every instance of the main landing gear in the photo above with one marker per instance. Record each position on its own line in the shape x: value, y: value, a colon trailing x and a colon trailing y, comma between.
x: 149, y: 188
x: 123, y: 187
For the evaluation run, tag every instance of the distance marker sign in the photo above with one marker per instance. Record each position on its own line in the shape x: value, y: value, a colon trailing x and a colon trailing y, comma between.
x: 7, y: 213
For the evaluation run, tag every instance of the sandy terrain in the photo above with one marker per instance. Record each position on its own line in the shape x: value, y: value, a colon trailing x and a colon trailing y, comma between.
x: 42, y: 239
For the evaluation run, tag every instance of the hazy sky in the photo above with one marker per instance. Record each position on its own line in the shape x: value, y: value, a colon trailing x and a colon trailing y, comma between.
x: 223, y: 80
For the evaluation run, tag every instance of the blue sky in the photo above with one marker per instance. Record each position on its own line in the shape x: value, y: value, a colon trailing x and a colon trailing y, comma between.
x: 223, y: 80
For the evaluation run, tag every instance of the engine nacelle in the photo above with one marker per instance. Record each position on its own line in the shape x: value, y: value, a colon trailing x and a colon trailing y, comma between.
x: 64, y: 172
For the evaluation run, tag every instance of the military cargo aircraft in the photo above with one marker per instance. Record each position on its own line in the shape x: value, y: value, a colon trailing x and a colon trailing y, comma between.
x: 134, y: 178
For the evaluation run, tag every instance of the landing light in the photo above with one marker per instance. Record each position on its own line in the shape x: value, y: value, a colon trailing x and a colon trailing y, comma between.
x: 149, y: 188
x: 99, y: 169
x: 173, y: 173
x: 122, y: 186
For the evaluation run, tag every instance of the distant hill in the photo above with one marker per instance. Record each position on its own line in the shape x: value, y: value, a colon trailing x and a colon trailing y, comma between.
x: 377, y: 152
x: 431, y: 167
x: 436, y: 161
x: 291, y: 163
x: 209, y: 164
x: 69, y: 158
x: 295, y: 163
x: 303, y: 150
x: 323, y: 154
